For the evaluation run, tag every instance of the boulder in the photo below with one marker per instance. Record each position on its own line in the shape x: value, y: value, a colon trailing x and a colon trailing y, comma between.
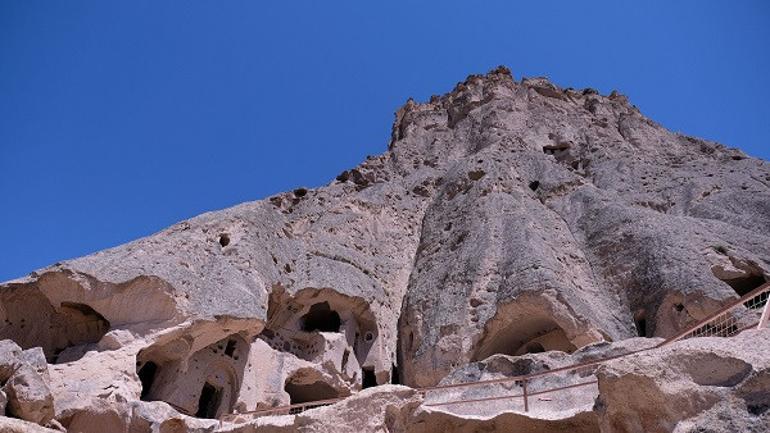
x: 24, y: 377
x: 29, y: 397
x: 10, y: 354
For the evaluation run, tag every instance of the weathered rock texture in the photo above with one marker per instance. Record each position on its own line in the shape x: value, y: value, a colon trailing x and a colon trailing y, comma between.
x: 26, y: 394
x: 700, y: 385
x: 506, y: 217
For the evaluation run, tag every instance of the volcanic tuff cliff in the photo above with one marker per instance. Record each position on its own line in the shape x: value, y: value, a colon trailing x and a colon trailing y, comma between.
x: 505, y: 218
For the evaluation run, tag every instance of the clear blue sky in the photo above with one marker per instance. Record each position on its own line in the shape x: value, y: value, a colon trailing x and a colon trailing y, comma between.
x: 120, y: 118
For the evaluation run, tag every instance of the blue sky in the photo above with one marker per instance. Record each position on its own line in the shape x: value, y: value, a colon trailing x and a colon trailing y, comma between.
x: 120, y: 118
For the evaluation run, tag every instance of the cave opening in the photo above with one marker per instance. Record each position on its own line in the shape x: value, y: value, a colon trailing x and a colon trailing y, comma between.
x: 368, y: 378
x: 395, y: 378
x: 303, y: 393
x: 535, y: 347
x: 230, y: 348
x: 208, y: 403
x: 744, y: 285
x: 65, y: 331
x: 321, y: 318
x: 147, y: 374
x: 640, y: 321
x: 535, y: 335
x: 86, y: 324
x: 743, y: 280
x: 72, y: 326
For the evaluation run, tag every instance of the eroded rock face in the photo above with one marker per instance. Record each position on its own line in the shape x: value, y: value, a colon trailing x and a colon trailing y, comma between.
x: 564, y: 220
x: 703, y: 384
x: 506, y: 218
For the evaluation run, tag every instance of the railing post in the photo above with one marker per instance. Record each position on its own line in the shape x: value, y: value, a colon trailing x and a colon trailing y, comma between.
x: 765, y: 315
x: 526, y: 402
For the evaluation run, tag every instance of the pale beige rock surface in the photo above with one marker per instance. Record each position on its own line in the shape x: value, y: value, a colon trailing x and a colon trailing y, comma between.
x: 13, y: 425
x: 506, y: 217
x: 699, y: 385
x: 25, y: 391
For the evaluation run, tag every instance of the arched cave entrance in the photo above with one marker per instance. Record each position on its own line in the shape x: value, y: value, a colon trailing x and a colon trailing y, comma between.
x: 147, y: 373
x: 744, y: 285
x: 303, y: 393
x: 30, y: 320
x: 332, y: 313
x: 76, y: 325
x: 745, y: 277
x: 209, y: 401
x: 204, y: 384
x: 219, y: 390
x: 530, y: 335
x: 368, y: 378
x: 311, y: 321
x: 321, y: 318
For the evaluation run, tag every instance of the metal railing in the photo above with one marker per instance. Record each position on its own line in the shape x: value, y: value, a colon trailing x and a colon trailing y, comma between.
x: 730, y: 320
x: 290, y: 409
x: 526, y: 382
x: 751, y: 310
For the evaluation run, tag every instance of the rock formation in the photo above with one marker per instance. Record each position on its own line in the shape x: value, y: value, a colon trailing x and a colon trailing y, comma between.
x: 699, y: 385
x: 510, y: 226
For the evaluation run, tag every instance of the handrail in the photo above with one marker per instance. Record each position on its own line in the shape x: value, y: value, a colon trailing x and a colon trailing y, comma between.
x: 288, y: 408
x: 570, y: 367
x: 178, y: 408
x: 765, y: 315
x: 524, y: 379
x: 752, y: 294
x: 523, y: 394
